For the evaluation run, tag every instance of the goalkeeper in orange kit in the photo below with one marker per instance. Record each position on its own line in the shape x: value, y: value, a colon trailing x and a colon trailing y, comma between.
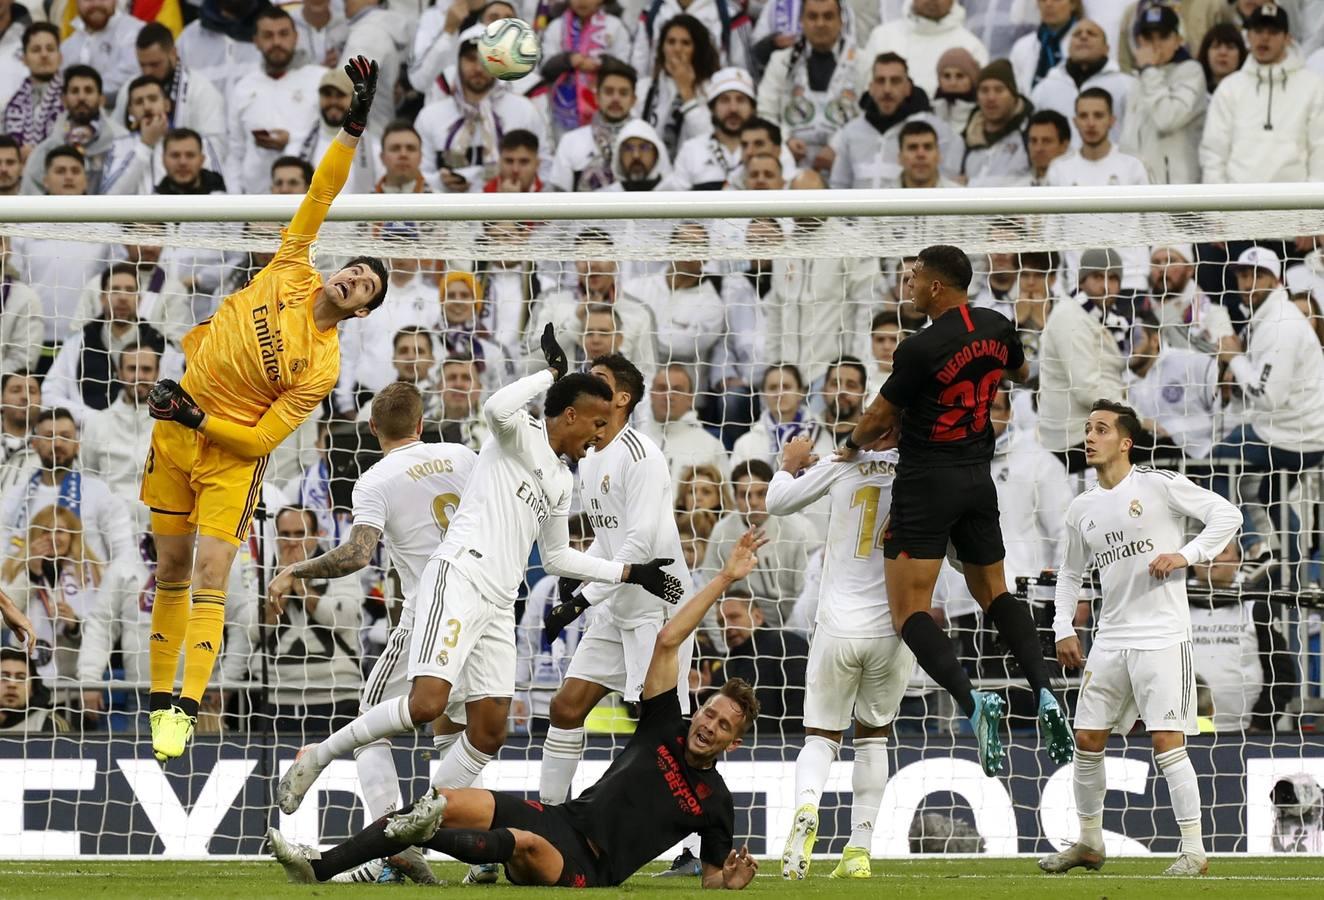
x: 255, y: 371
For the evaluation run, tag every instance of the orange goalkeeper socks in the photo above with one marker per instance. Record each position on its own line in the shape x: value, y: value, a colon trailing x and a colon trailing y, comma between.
x: 170, y: 615
x: 202, y: 644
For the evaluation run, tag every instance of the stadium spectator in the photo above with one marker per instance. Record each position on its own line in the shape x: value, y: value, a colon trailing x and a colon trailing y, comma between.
x: 575, y: 47
x: 461, y: 402
x: 809, y: 88
x: 779, y: 577
x: 270, y: 109
x: 414, y: 359
x: 884, y: 335
x: 25, y: 704
x: 674, y: 426
x: 844, y: 397
x: 20, y: 404
x: 384, y: 36
x: 761, y: 136
x: 1047, y: 137
x: 867, y: 147
x: 194, y: 101
x: 1197, y: 17
x: 703, y: 497
x: 1175, y: 392
x: 1222, y: 52
x: 1035, y: 54
x: 35, y: 105
x: 999, y: 290
x: 602, y: 334
x: 639, y: 159
x: 437, y: 39
x: 771, y: 659
x: 116, y: 439
x: 461, y: 132
x: 21, y: 323
x: 707, y: 162
x: 104, y: 39
x: 763, y: 172
x: 184, y: 162
x: 1165, y: 114
x: 686, y: 309
x: 1280, y: 376
x: 517, y: 165
x: 402, y: 162
x: 1038, y: 290
x: 785, y: 415
x: 920, y: 159
x: 1189, y: 317
x: 164, y: 302
x: 333, y: 93
x: 927, y: 30
x: 82, y: 125
x: 1082, y: 356
x: 312, y: 636
x: 1087, y: 66
x: 1251, y: 136
x: 82, y: 376
x: 954, y: 100
x: 995, y: 135
x: 583, y: 158
x: 14, y: 18
x: 323, y: 33
x: 136, y: 161
x: 671, y: 98
x: 11, y: 166
x: 462, y: 329
x: 58, y: 580
x: 218, y: 44
x: 291, y: 175
x: 728, y: 28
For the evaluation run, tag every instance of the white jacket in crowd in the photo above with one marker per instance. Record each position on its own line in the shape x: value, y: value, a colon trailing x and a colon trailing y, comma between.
x: 1058, y: 91
x: 1164, y: 121
x: 1079, y: 362
x: 921, y: 42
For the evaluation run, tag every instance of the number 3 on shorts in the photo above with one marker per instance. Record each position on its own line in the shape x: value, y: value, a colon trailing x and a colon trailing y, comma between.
x: 453, y: 638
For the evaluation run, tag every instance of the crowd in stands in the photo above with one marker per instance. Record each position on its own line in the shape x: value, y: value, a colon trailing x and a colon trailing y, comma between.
x: 1217, y: 345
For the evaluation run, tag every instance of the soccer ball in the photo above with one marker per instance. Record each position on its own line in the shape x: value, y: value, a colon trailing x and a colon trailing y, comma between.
x: 509, y: 49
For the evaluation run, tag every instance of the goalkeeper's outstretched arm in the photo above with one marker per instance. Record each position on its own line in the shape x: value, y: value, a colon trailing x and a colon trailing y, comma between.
x: 664, y: 668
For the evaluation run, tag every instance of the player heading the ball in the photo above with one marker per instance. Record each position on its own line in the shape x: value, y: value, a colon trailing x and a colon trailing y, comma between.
x: 255, y: 371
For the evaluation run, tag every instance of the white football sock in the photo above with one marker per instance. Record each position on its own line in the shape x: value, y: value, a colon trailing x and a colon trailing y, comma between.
x: 1184, y: 789
x: 461, y: 766
x: 378, y: 779
x: 868, y: 778
x: 1089, y: 777
x: 561, y: 752
x: 811, y: 769
x: 386, y: 719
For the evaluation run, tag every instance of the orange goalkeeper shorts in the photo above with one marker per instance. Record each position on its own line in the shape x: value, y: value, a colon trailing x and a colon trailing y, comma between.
x: 190, y: 483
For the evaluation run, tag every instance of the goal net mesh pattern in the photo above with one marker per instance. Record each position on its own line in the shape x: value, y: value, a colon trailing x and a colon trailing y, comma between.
x: 707, y: 308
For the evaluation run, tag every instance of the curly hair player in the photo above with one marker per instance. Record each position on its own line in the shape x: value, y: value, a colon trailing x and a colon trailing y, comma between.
x: 256, y: 370
x: 663, y: 786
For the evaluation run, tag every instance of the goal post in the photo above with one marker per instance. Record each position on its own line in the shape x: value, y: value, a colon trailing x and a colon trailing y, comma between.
x: 723, y: 286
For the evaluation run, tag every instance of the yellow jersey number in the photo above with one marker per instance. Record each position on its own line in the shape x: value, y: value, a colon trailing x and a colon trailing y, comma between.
x: 443, y: 507
x: 869, y: 537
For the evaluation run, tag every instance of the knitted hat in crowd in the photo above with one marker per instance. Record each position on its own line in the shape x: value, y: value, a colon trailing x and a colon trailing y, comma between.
x: 998, y: 70
x: 960, y: 58
x: 1101, y: 260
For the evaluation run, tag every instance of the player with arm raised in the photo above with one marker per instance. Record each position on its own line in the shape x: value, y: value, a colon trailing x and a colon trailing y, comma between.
x: 937, y: 400
x: 464, y: 626
x: 856, y: 660
x: 663, y: 786
x: 256, y: 370
x: 406, y: 499
x: 625, y: 487
x: 1140, y: 665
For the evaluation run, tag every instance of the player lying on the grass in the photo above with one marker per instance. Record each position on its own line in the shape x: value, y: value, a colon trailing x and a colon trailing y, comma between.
x: 858, y: 666
x: 1140, y: 664
x: 935, y: 406
x: 257, y: 369
x: 663, y: 786
x: 464, y: 639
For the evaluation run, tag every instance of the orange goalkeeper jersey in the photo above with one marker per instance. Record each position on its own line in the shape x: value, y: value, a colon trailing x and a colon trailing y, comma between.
x: 261, y: 349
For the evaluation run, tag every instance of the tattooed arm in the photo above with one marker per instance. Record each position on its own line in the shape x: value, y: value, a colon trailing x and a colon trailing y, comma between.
x: 355, y: 553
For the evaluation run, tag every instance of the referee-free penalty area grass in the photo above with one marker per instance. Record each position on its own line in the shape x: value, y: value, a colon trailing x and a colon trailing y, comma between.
x: 976, y: 879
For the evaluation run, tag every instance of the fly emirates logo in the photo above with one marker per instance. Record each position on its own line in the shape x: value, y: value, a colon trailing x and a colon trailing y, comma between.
x: 1120, y: 548
x: 269, y: 342
x: 534, y: 499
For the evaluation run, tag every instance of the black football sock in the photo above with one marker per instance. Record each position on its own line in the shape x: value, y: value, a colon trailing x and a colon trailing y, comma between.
x: 1013, y: 621
x: 933, y: 649
x: 370, y: 843
x: 475, y: 846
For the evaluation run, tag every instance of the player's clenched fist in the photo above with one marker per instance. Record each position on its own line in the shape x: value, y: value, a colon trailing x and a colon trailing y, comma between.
x: 571, y: 607
x: 362, y: 73
x: 170, y: 402
x: 552, y: 352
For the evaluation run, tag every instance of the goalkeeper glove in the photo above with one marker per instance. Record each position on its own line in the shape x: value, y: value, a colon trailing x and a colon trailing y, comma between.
x: 651, y: 578
x: 553, y: 353
x: 562, y: 614
x: 170, y: 402
x: 363, y: 74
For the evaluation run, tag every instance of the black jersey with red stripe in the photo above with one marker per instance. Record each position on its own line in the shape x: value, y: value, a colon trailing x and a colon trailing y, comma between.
x: 944, y: 378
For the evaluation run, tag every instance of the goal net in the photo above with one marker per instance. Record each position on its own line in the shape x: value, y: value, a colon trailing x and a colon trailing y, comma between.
x: 753, y: 318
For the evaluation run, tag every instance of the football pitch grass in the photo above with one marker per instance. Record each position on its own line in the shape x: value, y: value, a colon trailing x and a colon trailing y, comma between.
x: 969, y: 879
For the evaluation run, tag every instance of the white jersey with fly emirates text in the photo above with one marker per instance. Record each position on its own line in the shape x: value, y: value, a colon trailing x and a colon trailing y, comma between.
x: 625, y: 488
x: 852, y: 597
x: 409, y: 495
x: 1119, y: 532
x: 519, y: 492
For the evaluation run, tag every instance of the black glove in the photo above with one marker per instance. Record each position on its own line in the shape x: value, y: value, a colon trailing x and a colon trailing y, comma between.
x: 364, y: 75
x: 172, y: 403
x: 553, y: 353
x: 565, y: 612
x: 651, y: 578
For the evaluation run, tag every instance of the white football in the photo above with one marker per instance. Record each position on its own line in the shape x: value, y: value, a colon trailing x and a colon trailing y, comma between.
x: 509, y: 49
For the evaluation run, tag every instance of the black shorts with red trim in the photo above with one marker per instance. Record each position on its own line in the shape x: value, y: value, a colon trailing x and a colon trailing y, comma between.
x: 582, y: 867
x: 932, y: 507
